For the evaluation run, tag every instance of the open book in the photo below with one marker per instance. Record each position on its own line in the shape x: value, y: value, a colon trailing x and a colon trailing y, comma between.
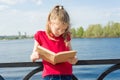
x: 54, y: 58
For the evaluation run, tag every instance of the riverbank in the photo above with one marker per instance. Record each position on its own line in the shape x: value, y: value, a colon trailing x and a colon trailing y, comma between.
x: 15, y: 37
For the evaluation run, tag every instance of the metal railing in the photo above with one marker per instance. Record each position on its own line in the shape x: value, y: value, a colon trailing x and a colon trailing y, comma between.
x: 115, y: 62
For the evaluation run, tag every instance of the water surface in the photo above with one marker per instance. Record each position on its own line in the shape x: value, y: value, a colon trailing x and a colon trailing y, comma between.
x: 20, y: 50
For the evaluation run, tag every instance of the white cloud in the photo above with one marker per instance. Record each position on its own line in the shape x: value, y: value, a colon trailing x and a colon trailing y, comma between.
x: 24, y: 21
x: 112, y: 14
x: 38, y: 2
x: 3, y: 7
x: 84, y: 16
x: 12, y: 2
x: 116, y: 12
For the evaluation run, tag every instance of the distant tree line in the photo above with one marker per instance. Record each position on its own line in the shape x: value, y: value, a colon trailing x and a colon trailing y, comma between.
x: 110, y: 30
x: 13, y: 37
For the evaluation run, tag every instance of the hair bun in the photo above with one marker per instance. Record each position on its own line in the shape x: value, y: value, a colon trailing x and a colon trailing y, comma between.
x: 58, y: 7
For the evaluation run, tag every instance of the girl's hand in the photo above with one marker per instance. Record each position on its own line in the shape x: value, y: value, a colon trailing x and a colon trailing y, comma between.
x: 35, y: 56
x: 73, y: 60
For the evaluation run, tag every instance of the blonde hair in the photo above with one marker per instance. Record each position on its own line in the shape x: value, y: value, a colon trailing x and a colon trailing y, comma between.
x: 59, y: 13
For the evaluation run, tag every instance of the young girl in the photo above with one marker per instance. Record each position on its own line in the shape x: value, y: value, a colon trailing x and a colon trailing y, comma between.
x: 56, y: 38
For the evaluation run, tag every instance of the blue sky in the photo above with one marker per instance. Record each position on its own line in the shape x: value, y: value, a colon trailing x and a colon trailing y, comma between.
x: 31, y: 15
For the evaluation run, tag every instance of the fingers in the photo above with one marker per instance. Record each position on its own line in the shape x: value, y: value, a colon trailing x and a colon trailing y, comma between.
x: 73, y: 60
x: 35, y: 56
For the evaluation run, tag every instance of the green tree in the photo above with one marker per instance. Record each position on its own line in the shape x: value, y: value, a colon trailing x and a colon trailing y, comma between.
x: 88, y: 33
x: 107, y: 30
x: 73, y: 31
x: 79, y: 32
x: 94, y: 30
x: 116, y: 29
x: 111, y: 29
x: 97, y: 30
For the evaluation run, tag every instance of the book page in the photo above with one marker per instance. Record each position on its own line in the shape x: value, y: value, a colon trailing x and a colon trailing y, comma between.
x: 46, y: 54
x: 64, y: 56
x: 55, y: 58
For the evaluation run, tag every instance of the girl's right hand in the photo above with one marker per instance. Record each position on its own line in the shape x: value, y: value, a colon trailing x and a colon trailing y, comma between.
x: 35, y: 56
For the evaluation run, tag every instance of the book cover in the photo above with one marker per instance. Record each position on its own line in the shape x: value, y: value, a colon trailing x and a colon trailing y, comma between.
x: 55, y: 58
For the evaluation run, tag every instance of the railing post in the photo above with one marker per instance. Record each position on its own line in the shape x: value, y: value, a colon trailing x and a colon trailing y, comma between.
x: 28, y: 76
x: 1, y: 78
x: 108, y: 71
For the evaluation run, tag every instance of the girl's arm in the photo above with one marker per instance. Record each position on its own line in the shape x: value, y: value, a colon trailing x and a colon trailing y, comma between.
x: 72, y: 60
x: 35, y: 55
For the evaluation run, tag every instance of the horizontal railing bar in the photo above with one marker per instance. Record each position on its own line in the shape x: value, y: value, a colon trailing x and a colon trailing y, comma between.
x: 20, y: 64
x: 80, y: 62
x: 98, y: 62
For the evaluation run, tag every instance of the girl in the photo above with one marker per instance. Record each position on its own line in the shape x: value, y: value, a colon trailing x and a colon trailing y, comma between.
x: 56, y: 38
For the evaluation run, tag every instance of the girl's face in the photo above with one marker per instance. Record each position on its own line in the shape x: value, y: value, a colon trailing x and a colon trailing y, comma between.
x: 57, y: 28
